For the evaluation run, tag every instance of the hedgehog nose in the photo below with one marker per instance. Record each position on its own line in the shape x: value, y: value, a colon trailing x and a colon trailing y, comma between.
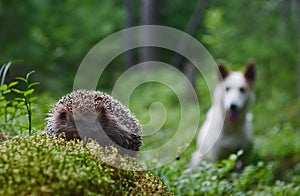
x: 233, y: 107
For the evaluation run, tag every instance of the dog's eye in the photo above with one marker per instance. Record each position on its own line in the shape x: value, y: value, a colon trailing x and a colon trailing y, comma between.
x: 227, y: 89
x: 242, y: 89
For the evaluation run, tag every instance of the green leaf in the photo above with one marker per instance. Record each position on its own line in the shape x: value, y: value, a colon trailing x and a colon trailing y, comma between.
x: 32, y: 99
x: 19, y: 99
x: 21, y: 79
x: 233, y: 157
x: 13, y: 84
x: 17, y: 91
x: 27, y: 76
x: 20, y: 104
x: 240, y: 153
x: 28, y: 92
x: 33, y: 84
x: 3, y: 87
x: 6, y: 91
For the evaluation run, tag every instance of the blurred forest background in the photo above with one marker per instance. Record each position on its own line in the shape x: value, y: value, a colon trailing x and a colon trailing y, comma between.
x: 52, y: 38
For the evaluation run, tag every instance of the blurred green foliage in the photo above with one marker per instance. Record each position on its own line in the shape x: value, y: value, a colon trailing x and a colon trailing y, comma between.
x: 217, y: 179
x: 53, y: 37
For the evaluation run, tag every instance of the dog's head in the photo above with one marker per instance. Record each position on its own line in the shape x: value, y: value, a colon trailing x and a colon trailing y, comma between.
x: 238, y: 93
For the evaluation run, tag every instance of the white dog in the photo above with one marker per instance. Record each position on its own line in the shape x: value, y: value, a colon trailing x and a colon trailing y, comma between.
x: 228, y: 125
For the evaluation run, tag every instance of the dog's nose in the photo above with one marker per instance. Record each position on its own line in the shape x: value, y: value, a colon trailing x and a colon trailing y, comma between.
x: 233, y: 107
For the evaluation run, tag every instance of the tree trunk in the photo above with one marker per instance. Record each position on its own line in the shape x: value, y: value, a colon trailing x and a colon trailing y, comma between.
x: 129, y: 55
x: 149, y: 16
x: 177, y: 60
x: 285, y: 10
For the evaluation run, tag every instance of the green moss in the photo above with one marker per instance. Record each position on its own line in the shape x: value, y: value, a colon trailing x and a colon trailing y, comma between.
x: 38, y: 165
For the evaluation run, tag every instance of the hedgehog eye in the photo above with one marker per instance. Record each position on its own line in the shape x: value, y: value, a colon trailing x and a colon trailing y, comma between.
x: 227, y: 89
x: 63, y: 116
x: 242, y: 89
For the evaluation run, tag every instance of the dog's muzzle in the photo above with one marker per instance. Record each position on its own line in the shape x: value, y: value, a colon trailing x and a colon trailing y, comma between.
x: 233, y: 113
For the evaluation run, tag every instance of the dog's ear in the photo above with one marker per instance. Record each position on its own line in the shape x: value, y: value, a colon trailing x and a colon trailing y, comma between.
x: 250, y: 72
x: 223, y: 72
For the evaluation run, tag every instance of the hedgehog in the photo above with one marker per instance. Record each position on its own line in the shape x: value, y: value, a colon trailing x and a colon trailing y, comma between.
x: 85, y: 114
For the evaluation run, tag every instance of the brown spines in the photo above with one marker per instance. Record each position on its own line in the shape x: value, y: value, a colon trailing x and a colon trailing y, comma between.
x: 85, y: 113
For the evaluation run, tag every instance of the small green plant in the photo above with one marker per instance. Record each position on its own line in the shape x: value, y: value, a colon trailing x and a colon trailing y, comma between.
x: 26, y: 97
x: 16, y: 103
x: 10, y: 107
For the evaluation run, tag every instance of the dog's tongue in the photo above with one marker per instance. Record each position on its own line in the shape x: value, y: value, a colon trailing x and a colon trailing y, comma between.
x: 232, y: 116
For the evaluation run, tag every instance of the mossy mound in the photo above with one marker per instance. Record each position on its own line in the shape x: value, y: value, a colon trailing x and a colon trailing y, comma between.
x: 39, y: 165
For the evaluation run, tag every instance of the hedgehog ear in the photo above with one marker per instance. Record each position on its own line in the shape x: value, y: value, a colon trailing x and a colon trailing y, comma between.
x: 223, y: 72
